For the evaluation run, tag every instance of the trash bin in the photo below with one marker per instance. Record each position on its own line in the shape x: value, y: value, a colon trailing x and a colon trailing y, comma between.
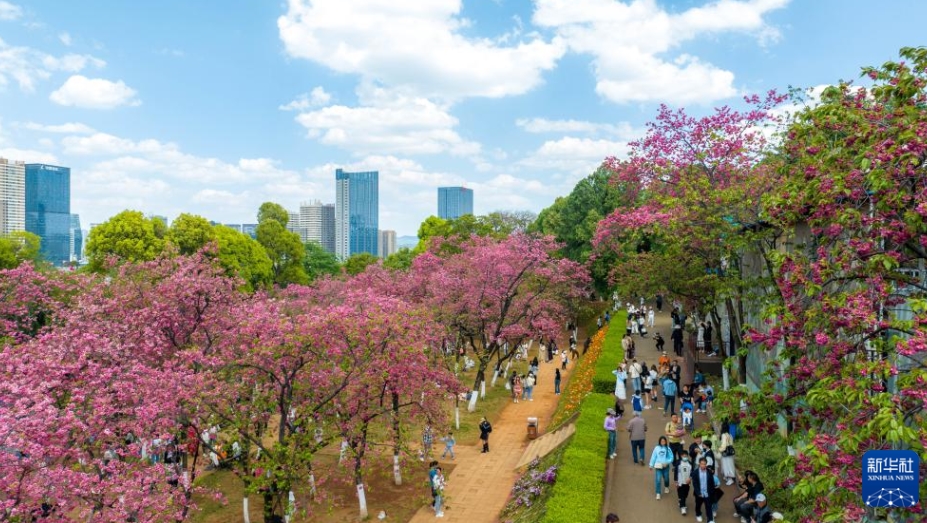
x: 532, y: 428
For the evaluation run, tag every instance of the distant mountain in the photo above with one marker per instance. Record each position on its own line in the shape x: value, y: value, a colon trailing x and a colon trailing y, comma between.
x: 406, y: 241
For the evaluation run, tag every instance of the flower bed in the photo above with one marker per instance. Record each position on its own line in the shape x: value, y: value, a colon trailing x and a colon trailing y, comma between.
x: 581, y: 380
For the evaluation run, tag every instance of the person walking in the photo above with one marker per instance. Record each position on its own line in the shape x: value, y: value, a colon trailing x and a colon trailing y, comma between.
x: 517, y: 389
x: 669, y: 396
x: 449, y: 443
x: 438, y: 484
x: 485, y: 429
x: 557, y: 381
x: 529, y: 386
x: 683, y: 480
x: 432, y: 471
x: 634, y: 371
x: 703, y: 488
x: 637, y: 428
x: 611, y: 429
x: 563, y: 359
x: 637, y: 404
x: 676, y: 336
x: 728, y: 470
x: 621, y: 376
x: 674, y: 432
x: 661, y: 459
x: 428, y: 439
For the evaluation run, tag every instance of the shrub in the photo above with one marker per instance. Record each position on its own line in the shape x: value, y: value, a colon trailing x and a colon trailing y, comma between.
x: 612, y: 354
x: 577, y: 495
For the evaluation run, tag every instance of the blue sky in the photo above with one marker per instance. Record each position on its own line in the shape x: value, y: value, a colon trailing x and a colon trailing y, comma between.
x: 214, y: 107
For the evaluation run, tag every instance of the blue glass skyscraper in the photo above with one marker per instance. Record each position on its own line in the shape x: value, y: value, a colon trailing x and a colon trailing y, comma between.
x: 454, y: 202
x: 357, y: 213
x: 48, y: 209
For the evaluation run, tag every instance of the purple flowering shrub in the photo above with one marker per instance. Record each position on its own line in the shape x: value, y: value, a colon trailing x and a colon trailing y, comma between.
x: 531, y: 486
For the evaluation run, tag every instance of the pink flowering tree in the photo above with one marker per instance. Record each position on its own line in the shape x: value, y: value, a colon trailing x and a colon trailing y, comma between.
x: 852, y: 327
x: 401, y: 380
x: 497, y: 292
x: 80, y: 403
x: 691, y: 207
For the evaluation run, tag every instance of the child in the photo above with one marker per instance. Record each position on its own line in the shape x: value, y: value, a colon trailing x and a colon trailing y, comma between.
x: 438, y: 483
x: 687, y: 416
x: 449, y: 443
x: 637, y: 405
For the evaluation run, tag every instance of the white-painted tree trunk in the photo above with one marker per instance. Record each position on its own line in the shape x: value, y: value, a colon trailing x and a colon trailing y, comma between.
x: 244, y: 509
x: 362, y: 501
x: 312, y: 489
x: 397, y: 471
x: 474, y: 395
x: 495, y: 374
x: 457, y: 417
x: 483, y: 390
x: 291, y: 507
x: 725, y: 377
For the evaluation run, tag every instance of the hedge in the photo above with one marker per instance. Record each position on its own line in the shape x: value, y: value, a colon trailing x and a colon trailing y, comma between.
x: 612, y: 354
x: 578, y: 494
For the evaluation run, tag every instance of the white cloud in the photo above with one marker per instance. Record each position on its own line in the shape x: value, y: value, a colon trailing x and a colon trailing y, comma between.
x: 388, y: 123
x: 9, y: 11
x: 28, y: 155
x: 574, y: 156
x: 94, y: 93
x: 543, y: 125
x: 415, y: 45
x: 27, y: 66
x: 65, y: 38
x: 317, y: 98
x: 631, y: 44
x: 67, y: 128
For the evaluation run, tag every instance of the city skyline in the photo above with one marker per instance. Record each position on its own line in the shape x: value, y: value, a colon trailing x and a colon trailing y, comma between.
x: 517, y: 100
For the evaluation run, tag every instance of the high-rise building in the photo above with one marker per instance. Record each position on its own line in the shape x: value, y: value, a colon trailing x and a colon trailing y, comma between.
x: 317, y: 223
x: 454, y: 202
x: 357, y: 213
x: 12, y: 196
x: 48, y: 210
x: 250, y: 229
x: 387, y: 243
x: 77, y: 240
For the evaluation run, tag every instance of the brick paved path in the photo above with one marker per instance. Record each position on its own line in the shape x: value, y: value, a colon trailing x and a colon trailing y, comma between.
x: 479, y: 485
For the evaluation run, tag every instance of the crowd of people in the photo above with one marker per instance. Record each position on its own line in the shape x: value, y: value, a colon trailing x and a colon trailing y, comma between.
x: 695, y: 470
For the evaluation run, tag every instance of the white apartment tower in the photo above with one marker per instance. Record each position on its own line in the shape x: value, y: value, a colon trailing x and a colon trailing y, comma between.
x: 317, y: 223
x: 387, y: 243
x: 12, y: 196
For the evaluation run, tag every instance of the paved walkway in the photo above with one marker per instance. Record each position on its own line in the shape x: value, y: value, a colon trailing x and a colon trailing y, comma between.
x: 480, y: 484
x: 630, y: 488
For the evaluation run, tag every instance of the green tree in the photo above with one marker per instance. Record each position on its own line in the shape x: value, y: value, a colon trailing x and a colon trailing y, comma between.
x: 190, y: 233
x: 18, y: 247
x: 242, y: 256
x: 318, y: 262
x: 284, y: 248
x: 273, y: 211
x: 400, y: 260
x: 430, y: 228
x: 129, y: 236
x: 357, y: 263
x: 573, y: 220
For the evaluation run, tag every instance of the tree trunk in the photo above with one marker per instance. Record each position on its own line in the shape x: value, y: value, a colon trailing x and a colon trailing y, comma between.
x: 244, y: 509
x: 397, y: 441
x: 359, y: 474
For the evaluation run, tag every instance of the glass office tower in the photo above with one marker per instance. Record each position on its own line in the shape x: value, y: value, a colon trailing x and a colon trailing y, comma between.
x: 454, y: 202
x: 357, y: 213
x: 48, y: 210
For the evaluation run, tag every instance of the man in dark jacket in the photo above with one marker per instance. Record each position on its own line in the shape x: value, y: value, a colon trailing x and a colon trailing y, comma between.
x: 703, y: 487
